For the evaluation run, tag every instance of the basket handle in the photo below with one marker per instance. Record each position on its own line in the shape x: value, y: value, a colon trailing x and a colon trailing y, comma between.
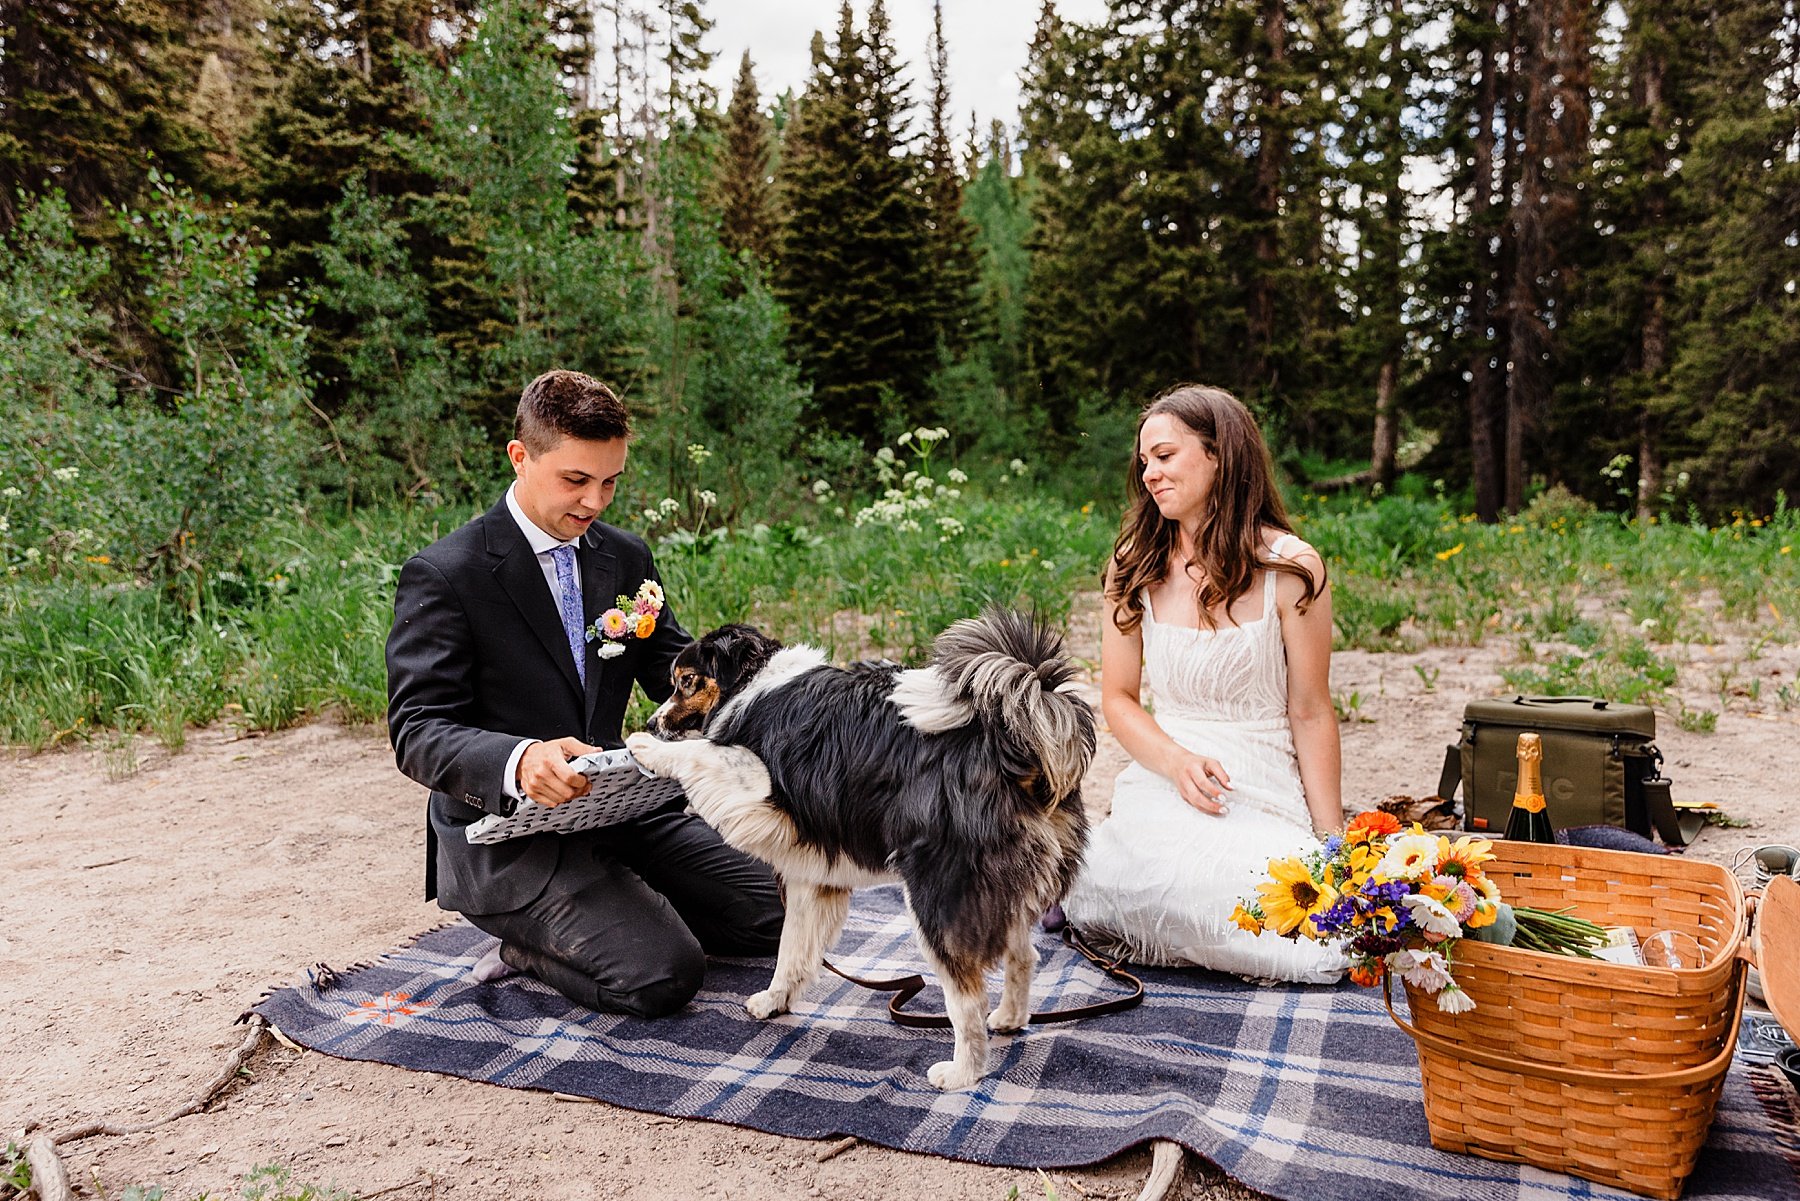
x: 1506, y: 1063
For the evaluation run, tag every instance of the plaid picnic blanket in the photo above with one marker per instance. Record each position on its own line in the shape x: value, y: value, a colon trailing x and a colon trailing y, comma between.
x: 1298, y: 1092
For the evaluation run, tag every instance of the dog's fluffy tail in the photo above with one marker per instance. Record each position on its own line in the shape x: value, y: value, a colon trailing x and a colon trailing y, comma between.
x: 1006, y: 668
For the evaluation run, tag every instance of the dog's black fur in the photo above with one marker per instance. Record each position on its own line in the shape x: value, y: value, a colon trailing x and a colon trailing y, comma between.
x: 961, y: 779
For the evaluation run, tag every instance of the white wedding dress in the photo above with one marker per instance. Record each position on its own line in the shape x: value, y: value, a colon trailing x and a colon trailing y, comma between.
x: 1161, y: 878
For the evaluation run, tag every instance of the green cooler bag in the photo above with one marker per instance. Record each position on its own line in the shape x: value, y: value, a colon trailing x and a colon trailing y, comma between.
x: 1601, y: 766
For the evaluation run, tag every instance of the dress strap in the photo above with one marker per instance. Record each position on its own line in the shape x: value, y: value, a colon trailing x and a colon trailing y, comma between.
x: 1285, y: 546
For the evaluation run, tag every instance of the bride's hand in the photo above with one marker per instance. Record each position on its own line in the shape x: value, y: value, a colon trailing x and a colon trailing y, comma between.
x: 1203, y: 783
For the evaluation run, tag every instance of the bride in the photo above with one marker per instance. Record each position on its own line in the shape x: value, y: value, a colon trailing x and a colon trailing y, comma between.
x: 1235, y: 760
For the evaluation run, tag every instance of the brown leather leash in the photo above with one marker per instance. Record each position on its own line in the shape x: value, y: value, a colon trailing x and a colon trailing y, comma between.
x: 905, y: 988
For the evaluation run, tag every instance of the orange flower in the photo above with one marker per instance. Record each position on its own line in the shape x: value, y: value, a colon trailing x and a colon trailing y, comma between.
x: 646, y: 625
x: 1377, y: 823
x: 1366, y: 976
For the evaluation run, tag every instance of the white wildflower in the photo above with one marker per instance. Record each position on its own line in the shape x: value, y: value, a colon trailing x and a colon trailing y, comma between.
x: 924, y: 484
x: 668, y: 504
x: 821, y: 488
x: 929, y: 436
x: 1431, y: 916
x: 66, y: 473
x: 10, y: 493
x: 1017, y: 467
x: 905, y: 439
x: 1452, y: 999
x: 956, y: 476
x: 708, y: 497
x: 1049, y: 566
x: 652, y: 516
x: 697, y: 452
x: 950, y: 528
x: 1409, y: 857
x: 885, y: 455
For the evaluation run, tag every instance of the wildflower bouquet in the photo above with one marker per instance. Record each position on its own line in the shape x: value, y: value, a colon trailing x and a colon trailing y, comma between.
x: 630, y: 617
x: 1400, y: 901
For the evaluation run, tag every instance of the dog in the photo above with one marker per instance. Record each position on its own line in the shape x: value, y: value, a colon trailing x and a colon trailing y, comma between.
x: 960, y: 779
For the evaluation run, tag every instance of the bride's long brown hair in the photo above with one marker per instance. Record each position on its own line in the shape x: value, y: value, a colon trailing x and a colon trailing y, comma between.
x: 1228, y: 545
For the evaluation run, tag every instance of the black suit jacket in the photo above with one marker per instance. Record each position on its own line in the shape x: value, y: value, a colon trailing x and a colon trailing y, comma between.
x: 477, y: 660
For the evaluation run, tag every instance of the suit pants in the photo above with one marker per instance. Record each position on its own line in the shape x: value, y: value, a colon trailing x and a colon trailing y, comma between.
x: 627, y: 919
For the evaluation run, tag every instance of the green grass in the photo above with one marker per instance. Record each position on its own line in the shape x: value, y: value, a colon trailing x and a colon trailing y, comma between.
x: 1593, y: 603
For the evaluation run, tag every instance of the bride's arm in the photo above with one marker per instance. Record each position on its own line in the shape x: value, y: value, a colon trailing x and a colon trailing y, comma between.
x: 1200, y: 780
x: 1307, y: 638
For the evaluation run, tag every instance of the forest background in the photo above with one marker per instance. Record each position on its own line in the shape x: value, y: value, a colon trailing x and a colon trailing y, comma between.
x: 1511, y: 286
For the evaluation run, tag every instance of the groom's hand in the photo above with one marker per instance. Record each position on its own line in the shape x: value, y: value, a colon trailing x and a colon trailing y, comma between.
x: 544, y: 772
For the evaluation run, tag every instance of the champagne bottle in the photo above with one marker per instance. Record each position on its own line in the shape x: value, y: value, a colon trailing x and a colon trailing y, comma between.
x: 1530, y: 817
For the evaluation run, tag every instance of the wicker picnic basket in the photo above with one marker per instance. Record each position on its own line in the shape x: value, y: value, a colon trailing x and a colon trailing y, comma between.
x: 1596, y: 1069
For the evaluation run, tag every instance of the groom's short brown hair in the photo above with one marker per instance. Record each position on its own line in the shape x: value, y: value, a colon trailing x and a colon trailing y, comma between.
x: 568, y: 404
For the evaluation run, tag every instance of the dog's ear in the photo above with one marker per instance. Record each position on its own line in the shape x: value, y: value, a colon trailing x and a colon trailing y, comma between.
x: 737, y: 653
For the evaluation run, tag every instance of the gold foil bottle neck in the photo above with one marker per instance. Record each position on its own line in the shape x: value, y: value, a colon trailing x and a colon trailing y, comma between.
x: 1530, y: 787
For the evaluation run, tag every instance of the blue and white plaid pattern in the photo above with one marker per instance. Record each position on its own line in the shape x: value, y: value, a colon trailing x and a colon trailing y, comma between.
x: 568, y: 603
x: 1299, y: 1092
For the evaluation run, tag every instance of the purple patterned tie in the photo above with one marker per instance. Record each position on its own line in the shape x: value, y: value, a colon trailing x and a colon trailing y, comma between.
x: 568, y: 603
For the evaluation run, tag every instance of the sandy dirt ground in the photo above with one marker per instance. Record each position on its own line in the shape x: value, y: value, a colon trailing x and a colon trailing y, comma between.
x: 149, y: 899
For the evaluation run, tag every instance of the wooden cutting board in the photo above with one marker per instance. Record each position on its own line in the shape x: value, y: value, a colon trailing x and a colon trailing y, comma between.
x: 1778, y: 951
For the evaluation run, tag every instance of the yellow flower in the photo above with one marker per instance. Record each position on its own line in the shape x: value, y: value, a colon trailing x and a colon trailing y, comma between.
x: 1245, y: 920
x: 1293, y: 898
x: 646, y: 625
x: 1444, y: 555
x: 1464, y: 858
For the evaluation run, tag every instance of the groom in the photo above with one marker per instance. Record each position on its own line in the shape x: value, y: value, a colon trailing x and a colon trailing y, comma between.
x: 492, y: 688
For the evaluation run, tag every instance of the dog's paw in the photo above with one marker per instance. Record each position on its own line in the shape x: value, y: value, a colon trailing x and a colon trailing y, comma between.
x: 648, y: 750
x: 767, y: 1004
x: 1008, y: 1019
x: 952, y: 1076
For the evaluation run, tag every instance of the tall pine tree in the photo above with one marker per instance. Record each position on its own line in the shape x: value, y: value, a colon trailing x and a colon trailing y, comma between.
x: 852, y: 269
x: 746, y: 186
x: 950, y: 257
x: 93, y: 92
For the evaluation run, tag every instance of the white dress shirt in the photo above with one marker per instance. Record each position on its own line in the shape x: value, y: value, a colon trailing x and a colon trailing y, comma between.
x: 541, y: 546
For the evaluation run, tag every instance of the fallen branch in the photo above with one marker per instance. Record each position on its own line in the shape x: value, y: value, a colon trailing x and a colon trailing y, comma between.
x: 48, y: 1179
x: 834, y: 1150
x: 1165, y: 1169
x: 259, y: 1030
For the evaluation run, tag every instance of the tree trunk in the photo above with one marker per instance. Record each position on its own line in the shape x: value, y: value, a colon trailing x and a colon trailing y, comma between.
x: 1484, y: 372
x: 1271, y: 153
x: 1528, y: 340
x: 1654, y: 341
x: 1386, y: 443
x: 1387, y: 427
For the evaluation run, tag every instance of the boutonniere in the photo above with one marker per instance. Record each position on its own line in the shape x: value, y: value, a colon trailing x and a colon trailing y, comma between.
x: 630, y: 617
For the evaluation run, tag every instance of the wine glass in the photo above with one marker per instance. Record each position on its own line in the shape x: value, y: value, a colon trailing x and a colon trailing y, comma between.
x: 1672, y: 949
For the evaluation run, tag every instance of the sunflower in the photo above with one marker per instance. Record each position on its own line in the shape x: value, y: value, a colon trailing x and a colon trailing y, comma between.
x: 1465, y: 858
x: 1293, y: 898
